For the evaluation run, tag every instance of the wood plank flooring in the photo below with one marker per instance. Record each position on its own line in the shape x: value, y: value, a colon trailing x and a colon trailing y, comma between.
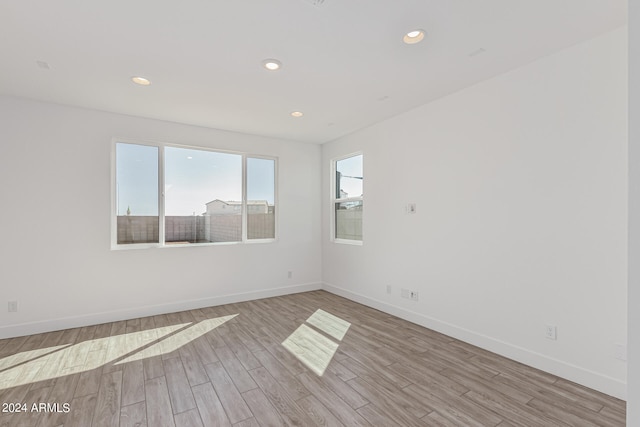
x: 310, y: 359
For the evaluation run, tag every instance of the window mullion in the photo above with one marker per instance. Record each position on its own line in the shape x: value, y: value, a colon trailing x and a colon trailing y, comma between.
x: 161, y: 196
x: 244, y: 200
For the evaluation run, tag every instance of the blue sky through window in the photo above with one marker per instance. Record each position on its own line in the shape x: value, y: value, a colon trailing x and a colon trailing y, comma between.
x: 261, y: 179
x: 351, y: 180
x: 137, y: 179
x: 195, y: 177
x: 192, y: 179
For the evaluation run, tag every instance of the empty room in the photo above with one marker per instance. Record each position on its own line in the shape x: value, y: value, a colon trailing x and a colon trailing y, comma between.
x: 319, y: 213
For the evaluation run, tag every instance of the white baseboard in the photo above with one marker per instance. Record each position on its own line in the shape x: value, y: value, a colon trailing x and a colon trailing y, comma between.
x: 588, y: 378
x: 41, y: 326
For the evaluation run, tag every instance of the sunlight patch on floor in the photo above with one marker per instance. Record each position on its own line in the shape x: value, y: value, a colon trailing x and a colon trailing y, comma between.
x: 53, y: 362
x: 18, y: 358
x: 311, y: 347
x: 329, y: 324
x: 179, y: 339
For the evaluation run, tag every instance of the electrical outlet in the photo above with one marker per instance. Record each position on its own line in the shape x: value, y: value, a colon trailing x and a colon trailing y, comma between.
x: 389, y: 289
x: 551, y: 332
x: 12, y: 306
x: 408, y: 294
x: 289, y: 274
x: 620, y: 352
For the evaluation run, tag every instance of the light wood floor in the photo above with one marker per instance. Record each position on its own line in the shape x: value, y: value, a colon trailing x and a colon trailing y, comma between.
x: 235, y: 365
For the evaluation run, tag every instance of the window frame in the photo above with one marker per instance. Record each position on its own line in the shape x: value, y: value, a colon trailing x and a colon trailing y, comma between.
x: 334, y: 199
x: 161, y: 196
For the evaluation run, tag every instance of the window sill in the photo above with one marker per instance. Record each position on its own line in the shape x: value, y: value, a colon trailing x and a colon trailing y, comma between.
x: 348, y: 242
x: 186, y: 245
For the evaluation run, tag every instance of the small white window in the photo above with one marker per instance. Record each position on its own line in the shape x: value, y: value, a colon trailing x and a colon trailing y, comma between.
x: 347, y: 199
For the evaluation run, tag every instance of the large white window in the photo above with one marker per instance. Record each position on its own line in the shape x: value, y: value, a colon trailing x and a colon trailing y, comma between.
x: 171, y: 195
x: 347, y: 199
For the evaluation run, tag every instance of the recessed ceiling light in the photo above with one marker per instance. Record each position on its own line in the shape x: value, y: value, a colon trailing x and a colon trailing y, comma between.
x: 141, y: 81
x: 272, y: 64
x: 297, y: 114
x: 413, y: 37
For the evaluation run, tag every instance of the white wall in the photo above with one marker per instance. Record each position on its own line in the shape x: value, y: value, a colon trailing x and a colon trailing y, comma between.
x: 520, y: 184
x: 633, y: 375
x: 55, y: 256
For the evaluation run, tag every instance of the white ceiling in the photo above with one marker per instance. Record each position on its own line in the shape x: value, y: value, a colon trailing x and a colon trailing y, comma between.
x: 344, y: 63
